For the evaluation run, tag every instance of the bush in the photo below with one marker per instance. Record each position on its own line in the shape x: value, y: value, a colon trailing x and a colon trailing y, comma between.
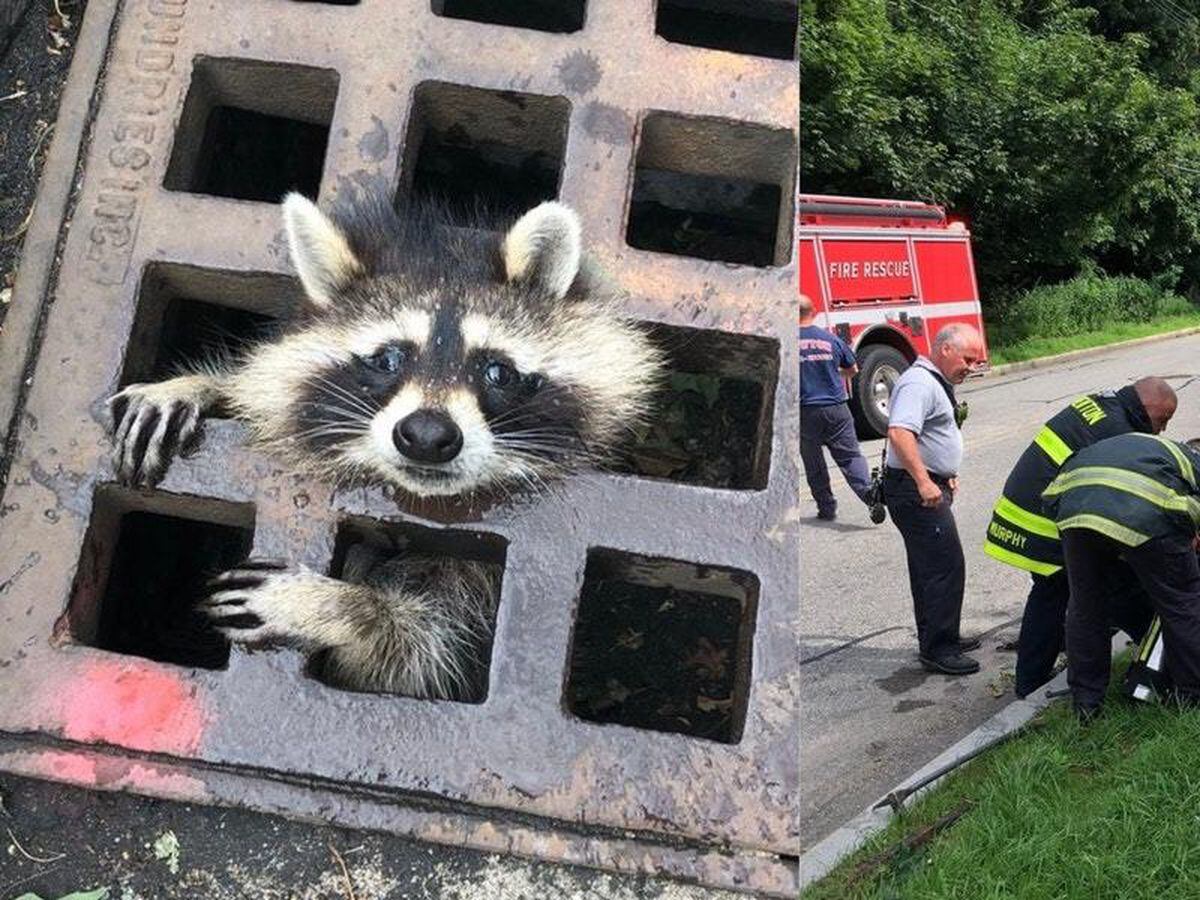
x: 1089, y: 302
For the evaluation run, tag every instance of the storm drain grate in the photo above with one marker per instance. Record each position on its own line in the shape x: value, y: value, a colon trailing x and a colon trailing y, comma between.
x: 485, y: 154
x: 637, y: 709
x: 759, y: 27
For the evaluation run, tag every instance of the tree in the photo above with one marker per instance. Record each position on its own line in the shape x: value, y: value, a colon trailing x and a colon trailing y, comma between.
x: 1050, y: 137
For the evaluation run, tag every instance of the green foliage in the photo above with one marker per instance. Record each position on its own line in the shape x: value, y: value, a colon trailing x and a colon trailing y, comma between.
x: 1088, y: 302
x: 1063, y: 133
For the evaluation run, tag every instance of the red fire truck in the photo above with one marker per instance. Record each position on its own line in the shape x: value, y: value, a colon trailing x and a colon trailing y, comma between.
x: 884, y: 275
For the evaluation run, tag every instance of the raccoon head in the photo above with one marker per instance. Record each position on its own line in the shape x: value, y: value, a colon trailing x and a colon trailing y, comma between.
x: 446, y: 360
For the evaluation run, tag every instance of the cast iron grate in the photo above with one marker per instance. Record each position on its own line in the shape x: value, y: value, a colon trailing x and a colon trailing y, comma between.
x: 757, y: 27
x: 712, y: 190
x: 663, y: 645
x: 560, y: 16
x: 145, y: 560
x: 486, y: 154
x: 253, y: 130
x: 711, y: 423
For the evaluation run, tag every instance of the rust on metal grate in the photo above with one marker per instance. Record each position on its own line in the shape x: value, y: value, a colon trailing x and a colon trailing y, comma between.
x: 681, y: 161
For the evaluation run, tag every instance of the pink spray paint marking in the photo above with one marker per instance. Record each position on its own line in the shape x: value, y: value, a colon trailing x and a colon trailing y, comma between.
x: 132, y: 705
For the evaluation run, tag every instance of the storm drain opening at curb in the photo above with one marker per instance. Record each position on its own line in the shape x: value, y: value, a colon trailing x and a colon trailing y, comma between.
x: 146, y: 558
x: 486, y: 154
x: 710, y: 424
x: 757, y: 27
x: 713, y: 189
x: 188, y: 317
x: 253, y: 130
x: 663, y: 645
x: 557, y: 16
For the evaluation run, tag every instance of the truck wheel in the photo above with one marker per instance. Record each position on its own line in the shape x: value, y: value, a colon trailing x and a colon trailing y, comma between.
x: 878, y: 368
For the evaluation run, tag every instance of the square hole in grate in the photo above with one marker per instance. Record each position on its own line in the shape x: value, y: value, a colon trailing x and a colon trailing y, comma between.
x: 663, y: 645
x: 711, y: 422
x: 253, y: 130
x: 758, y: 27
x: 187, y: 315
x: 562, y: 16
x: 713, y: 189
x: 488, y: 154
x: 380, y: 554
x: 145, y: 560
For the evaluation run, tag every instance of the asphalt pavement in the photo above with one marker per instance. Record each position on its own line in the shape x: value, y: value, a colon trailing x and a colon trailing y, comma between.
x: 870, y: 714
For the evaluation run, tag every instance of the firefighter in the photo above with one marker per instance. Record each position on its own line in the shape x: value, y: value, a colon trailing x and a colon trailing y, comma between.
x: 1130, y: 500
x: 826, y: 362
x: 1020, y: 535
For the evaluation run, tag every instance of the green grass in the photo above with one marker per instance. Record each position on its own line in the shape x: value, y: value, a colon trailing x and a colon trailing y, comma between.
x: 1000, y: 352
x: 1110, y: 810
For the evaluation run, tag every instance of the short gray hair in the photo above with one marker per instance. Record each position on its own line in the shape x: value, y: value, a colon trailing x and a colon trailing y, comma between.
x: 954, y: 334
x: 806, y: 305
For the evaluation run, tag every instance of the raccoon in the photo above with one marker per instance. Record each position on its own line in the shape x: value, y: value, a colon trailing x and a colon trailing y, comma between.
x: 443, y: 361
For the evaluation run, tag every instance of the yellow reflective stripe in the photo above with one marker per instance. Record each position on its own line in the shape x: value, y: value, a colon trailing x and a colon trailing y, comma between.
x: 1147, y: 646
x: 1129, y: 482
x: 1119, y: 479
x: 1023, y: 518
x: 1054, y: 446
x: 1114, y: 530
x: 1185, y: 465
x: 995, y: 551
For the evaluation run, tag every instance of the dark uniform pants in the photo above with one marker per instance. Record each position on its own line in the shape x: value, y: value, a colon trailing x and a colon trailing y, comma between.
x: 1043, y: 624
x: 936, y: 568
x: 833, y: 427
x: 1043, y: 628
x: 1168, y: 574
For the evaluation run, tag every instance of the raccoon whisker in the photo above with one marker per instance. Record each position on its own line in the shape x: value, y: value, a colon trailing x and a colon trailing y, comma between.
x: 553, y: 448
x: 356, y: 402
x: 537, y: 435
x: 349, y: 424
x: 562, y: 440
x: 330, y: 432
x: 520, y: 409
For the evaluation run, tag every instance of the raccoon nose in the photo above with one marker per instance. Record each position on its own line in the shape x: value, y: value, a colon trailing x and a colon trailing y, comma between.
x: 428, y: 436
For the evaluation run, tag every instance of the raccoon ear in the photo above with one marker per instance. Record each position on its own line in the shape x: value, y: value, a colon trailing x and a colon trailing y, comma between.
x: 320, y: 252
x: 544, y: 247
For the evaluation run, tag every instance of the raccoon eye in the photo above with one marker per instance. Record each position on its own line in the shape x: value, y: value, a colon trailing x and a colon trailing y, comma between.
x: 388, y: 359
x: 498, y: 374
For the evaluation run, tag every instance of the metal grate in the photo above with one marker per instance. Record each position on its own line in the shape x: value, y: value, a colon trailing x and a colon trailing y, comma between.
x: 673, y: 155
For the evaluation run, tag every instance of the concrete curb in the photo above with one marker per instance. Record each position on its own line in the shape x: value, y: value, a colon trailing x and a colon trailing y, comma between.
x: 1044, y: 361
x: 38, y: 263
x: 819, y: 860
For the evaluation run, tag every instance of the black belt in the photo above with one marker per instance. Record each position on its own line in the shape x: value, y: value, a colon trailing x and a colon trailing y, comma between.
x: 937, y: 478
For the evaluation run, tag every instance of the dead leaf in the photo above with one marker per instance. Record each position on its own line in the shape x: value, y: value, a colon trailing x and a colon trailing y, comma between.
x: 711, y: 704
x: 631, y: 639
x: 708, y: 660
x: 614, y: 694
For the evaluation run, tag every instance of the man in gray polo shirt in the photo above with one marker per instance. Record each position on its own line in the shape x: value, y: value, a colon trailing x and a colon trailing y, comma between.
x: 924, y: 451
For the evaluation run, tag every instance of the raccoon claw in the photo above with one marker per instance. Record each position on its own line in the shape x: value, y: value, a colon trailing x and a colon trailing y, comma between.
x: 262, y: 602
x: 148, y: 429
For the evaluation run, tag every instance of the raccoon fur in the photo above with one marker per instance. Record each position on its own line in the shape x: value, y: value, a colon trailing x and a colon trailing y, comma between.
x: 440, y: 360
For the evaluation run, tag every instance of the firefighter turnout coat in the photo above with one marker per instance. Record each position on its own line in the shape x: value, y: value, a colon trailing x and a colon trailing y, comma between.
x: 1132, y: 488
x: 1020, y: 534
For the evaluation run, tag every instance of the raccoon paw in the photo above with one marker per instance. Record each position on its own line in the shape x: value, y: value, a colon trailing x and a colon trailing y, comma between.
x: 262, y: 601
x: 149, y: 424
